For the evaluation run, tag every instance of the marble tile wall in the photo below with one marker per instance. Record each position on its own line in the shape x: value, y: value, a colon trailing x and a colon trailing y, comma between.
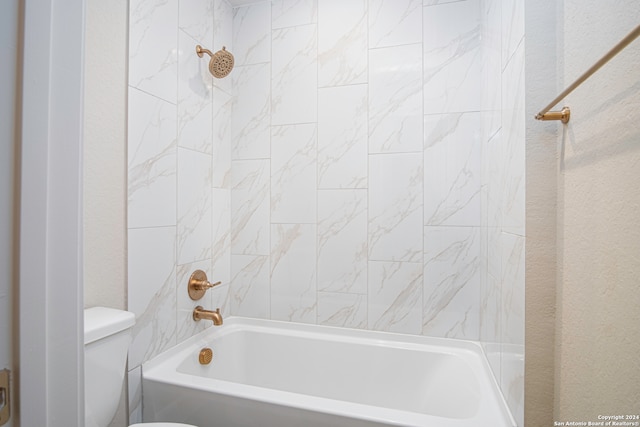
x: 179, y: 173
x: 397, y: 138
x: 503, y: 232
x: 365, y: 169
x: 357, y: 164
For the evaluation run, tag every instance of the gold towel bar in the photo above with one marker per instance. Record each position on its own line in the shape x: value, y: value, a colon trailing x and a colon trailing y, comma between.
x: 564, y: 115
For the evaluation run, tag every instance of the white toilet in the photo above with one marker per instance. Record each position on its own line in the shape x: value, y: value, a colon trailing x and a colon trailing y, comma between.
x: 107, y: 334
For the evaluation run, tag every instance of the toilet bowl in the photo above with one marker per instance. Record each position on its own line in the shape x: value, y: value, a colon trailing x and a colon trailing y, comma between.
x: 107, y: 334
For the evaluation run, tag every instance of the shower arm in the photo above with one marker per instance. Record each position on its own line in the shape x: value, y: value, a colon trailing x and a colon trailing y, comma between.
x: 200, y: 50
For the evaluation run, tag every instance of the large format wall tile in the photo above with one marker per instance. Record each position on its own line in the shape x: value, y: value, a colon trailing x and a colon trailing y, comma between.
x: 451, y: 282
x: 394, y: 22
x: 250, y: 207
x: 491, y: 65
x: 395, y: 207
x: 289, y: 13
x: 342, y: 137
x: 342, y: 42
x: 153, y: 44
x: 513, y: 151
x: 492, y: 179
x: 395, y: 99
x: 395, y: 292
x: 512, y: 27
x: 251, y: 111
x: 342, y: 241
x: 221, y: 143
x: 490, y: 323
x: 222, y: 36
x: 194, y: 98
x: 293, y: 173
x: 339, y: 309
x: 293, y: 272
x: 252, y: 33
x: 452, y: 56
x: 194, y: 206
x: 512, y: 329
x: 491, y: 293
x: 152, y: 161
x: 152, y: 287
x: 249, y: 293
x: 196, y: 19
x: 512, y: 247
x: 221, y: 243
x: 294, y: 75
x: 452, y: 169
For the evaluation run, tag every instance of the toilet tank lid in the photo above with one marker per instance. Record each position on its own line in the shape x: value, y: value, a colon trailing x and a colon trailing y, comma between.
x: 100, y: 322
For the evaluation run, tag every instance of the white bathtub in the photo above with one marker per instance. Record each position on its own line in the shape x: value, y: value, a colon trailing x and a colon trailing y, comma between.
x: 267, y: 373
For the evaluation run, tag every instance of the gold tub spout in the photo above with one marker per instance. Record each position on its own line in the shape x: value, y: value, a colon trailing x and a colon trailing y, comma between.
x: 200, y: 313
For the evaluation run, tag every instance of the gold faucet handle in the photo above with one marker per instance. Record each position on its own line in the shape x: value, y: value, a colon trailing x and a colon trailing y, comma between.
x: 204, y: 285
x: 198, y: 284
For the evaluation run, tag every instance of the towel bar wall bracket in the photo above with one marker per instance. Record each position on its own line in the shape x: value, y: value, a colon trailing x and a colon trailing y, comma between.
x: 563, y: 115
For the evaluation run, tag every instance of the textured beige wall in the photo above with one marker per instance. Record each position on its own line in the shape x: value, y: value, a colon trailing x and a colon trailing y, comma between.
x: 105, y: 192
x: 583, y: 216
x: 541, y: 33
x: 105, y: 154
x: 598, y: 326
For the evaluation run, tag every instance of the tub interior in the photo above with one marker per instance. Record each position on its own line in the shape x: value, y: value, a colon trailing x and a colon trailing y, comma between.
x: 409, y: 379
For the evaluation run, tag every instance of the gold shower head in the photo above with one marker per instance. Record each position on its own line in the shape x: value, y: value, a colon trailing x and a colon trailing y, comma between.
x: 221, y: 62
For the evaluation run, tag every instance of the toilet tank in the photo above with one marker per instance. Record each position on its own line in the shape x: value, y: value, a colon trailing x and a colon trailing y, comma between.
x: 107, y: 334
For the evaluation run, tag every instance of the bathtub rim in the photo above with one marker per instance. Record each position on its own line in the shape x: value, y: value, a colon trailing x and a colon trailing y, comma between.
x: 163, y: 369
